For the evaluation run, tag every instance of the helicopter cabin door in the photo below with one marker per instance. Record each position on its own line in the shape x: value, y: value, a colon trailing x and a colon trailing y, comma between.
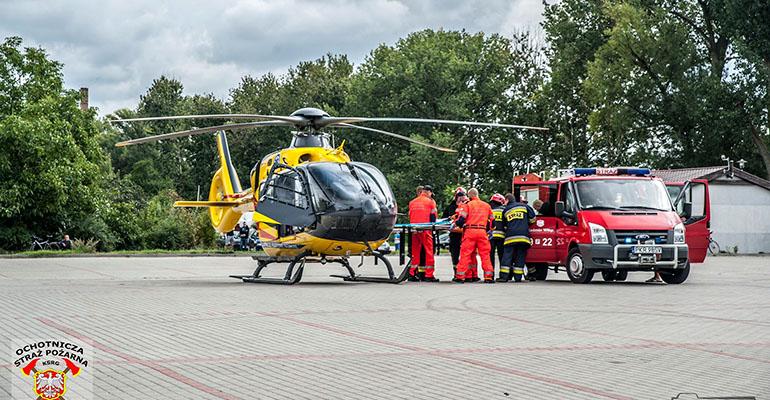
x: 285, y: 198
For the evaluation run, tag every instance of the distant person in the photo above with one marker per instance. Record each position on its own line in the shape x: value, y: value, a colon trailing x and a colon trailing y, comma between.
x: 537, y: 205
x: 66, y: 243
x: 232, y: 234
x: 243, y: 234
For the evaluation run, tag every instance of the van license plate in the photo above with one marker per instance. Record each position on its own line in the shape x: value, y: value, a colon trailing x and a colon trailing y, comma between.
x: 646, y: 250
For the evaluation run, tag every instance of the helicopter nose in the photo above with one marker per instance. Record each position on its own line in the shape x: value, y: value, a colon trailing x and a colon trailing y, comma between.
x: 369, y: 222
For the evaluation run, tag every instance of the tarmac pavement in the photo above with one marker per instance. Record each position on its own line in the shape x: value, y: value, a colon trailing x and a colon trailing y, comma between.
x: 180, y: 328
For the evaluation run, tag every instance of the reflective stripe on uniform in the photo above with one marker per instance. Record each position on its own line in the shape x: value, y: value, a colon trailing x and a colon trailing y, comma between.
x: 517, y: 239
x: 518, y: 212
x: 498, y: 234
x: 505, y: 270
x: 518, y: 271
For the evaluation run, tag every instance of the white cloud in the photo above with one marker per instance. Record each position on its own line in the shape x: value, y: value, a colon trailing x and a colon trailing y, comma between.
x: 116, y: 48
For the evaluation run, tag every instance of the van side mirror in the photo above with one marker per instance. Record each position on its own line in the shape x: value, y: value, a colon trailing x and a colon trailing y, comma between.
x: 687, y: 209
x: 559, y: 208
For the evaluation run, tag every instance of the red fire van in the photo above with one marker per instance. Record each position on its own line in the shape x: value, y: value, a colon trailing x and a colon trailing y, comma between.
x: 615, y: 220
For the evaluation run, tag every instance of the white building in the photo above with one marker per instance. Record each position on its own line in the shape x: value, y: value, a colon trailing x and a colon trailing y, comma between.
x: 740, y: 206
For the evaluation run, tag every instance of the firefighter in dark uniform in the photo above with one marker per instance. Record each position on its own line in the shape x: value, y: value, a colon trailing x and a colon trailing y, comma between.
x: 517, y: 216
x: 497, y: 202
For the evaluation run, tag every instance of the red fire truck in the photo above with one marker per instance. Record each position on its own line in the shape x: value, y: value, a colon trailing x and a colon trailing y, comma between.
x: 616, y: 220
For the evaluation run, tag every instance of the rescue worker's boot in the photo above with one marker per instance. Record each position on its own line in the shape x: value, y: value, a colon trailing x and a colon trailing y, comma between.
x: 505, y: 274
x: 458, y: 279
x: 429, y: 277
x: 412, y: 275
x: 472, y: 275
x: 489, y: 276
x: 421, y: 273
x: 517, y: 273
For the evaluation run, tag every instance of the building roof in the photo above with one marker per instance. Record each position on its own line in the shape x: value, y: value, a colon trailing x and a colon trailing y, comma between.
x: 685, y: 174
x: 709, y: 174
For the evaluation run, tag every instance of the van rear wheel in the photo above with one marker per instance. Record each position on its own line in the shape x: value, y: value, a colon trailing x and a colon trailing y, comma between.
x: 609, y: 275
x: 676, y: 276
x: 621, y: 276
x: 576, y: 269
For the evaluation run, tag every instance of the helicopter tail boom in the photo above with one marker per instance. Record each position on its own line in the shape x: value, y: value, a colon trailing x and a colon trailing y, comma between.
x: 223, y: 208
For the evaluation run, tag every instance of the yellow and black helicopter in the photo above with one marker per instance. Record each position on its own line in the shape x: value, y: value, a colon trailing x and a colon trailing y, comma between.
x: 310, y: 202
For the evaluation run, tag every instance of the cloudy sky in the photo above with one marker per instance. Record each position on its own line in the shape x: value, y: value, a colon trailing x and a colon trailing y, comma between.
x: 116, y: 48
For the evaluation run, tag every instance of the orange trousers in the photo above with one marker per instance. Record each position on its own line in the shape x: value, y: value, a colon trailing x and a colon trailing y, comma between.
x: 422, y: 241
x: 475, y: 240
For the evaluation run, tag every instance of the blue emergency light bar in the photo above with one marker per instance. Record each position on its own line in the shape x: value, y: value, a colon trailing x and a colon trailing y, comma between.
x: 612, y: 171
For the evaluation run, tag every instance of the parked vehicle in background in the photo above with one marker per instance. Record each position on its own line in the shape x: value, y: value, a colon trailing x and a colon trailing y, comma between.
x: 384, y: 248
x: 443, y: 240
x: 613, y: 220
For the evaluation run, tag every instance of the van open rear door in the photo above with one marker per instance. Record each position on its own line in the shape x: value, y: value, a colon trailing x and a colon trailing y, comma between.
x: 694, y: 206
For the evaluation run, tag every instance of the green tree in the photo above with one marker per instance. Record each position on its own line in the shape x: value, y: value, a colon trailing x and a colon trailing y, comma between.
x: 178, y: 164
x: 449, y: 75
x: 574, y: 31
x: 659, y: 86
x: 748, y: 20
x: 52, y: 169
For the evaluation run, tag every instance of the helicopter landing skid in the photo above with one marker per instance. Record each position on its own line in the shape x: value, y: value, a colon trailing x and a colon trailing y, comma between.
x: 291, y: 277
x: 297, y: 266
x: 392, y: 278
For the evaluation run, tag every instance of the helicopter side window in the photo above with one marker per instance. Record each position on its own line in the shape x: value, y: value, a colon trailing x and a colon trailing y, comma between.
x: 287, y: 188
x: 285, y: 199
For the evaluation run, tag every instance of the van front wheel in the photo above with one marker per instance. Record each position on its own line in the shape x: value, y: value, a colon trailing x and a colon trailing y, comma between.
x: 576, y: 269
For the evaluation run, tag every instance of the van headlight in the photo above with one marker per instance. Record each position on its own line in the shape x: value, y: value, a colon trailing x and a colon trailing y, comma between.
x: 598, y: 234
x: 679, y: 233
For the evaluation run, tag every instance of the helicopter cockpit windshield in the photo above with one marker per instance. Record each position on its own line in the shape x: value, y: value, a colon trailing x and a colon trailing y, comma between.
x: 346, y: 186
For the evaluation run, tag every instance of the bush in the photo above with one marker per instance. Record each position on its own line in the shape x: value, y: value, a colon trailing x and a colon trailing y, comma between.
x: 84, y: 245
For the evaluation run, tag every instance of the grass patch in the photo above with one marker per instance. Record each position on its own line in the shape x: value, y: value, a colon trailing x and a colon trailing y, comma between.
x: 71, y: 253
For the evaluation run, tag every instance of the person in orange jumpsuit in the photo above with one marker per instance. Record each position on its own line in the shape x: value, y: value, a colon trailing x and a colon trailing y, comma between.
x: 422, y: 209
x: 472, y: 273
x: 476, y: 219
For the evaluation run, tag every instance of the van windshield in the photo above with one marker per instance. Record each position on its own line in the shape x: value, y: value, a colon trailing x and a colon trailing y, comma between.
x: 623, y: 194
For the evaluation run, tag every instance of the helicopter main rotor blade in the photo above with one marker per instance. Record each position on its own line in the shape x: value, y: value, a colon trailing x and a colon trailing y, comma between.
x: 395, y: 135
x: 198, y: 131
x: 292, y: 120
x: 330, y: 121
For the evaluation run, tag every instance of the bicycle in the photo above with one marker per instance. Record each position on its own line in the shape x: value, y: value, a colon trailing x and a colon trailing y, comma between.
x: 47, y: 244
x: 713, y: 245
